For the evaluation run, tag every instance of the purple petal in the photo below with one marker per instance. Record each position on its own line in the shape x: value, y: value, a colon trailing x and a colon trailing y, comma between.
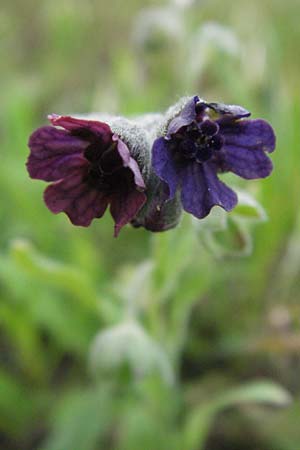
x: 54, y: 154
x: 76, y: 198
x: 251, y: 134
x: 248, y: 164
x: 124, y: 207
x: 129, y: 162
x: 186, y: 116
x: 201, y: 190
x: 164, y: 165
x: 74, y: 125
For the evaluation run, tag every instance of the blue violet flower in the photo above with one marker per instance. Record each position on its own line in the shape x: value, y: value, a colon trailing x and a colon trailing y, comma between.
x: 203, y: 140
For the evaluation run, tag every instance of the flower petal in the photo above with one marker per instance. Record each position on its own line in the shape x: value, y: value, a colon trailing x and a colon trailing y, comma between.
x: 229, y: 110
x: 124, y: 207
x: 75, y: 125
x: 164, y: 165
x: 129, y: 162
x: 252, y: 134
x: 247, y: 163
x: 76, y: 198
x: 186, y: 116
x: 54, y: 154
x: 201, y: 190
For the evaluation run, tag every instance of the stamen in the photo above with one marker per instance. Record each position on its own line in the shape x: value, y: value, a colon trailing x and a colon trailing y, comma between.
x: 197, y: 141
x: 209, y: 128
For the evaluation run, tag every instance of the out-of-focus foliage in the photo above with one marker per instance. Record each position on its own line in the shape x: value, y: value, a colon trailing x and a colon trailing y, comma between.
x: 185, y: 340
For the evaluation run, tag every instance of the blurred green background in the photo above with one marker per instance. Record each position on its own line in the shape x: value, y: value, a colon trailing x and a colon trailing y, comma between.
x: 187, y: 340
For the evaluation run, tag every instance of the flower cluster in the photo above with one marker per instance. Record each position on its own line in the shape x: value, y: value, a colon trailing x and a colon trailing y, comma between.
x: 148, y: 170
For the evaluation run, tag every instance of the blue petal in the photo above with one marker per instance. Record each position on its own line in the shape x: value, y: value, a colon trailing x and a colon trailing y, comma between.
x: 201, y: 190
x: 186, y: 116
x: 251, y: 134
x: 164, y: 165
x: 232, y: 110
x: 248, y: 164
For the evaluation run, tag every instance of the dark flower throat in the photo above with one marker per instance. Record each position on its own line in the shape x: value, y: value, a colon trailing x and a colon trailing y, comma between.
x: 106, y: 172
x: 197, y: 141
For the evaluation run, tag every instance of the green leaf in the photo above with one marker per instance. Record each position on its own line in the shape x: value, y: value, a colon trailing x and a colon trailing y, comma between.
x: 215, y: 221
x: 248, y: 208
x: 257, y: 392
x: 200, y: 420
x: 134, y: 286
x: 81, y: 420
x: 17, y: 405
x: 144, y: 429
x: 67, y: 277
x: 172, y: 252
x: 235, y: 240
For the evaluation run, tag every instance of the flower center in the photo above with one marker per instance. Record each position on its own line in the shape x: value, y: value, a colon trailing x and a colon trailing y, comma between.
x: 106, y: 167
x: 197, y: 142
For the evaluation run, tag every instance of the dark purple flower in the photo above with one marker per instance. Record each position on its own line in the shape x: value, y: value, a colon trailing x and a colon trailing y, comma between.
x: 205, y: 139
x: 90, y: 168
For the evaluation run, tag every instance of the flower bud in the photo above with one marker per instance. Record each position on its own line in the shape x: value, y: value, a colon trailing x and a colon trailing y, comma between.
x: 158, y: 213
